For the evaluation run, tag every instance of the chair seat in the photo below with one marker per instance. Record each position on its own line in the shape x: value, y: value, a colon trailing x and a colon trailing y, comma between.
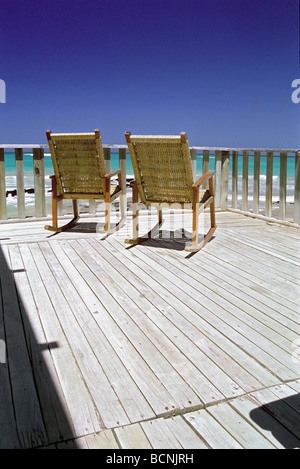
x: 204, y: 195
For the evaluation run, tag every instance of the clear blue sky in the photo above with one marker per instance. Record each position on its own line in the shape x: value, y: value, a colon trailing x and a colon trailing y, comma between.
x: 221, y: 70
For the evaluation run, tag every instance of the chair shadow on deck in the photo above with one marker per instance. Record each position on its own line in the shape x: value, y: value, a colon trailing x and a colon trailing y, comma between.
x: 282, y: 419
x: 89, y: 228
x: 33, y: 412
x: 176, y: 240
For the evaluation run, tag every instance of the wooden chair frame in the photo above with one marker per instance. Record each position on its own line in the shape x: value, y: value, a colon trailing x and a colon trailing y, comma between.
x: 105, y: 194
x: 196, y: 205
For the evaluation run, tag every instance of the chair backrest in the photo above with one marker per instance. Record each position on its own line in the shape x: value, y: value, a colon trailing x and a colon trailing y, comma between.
x: 78, y: 163
x: 162, y: 167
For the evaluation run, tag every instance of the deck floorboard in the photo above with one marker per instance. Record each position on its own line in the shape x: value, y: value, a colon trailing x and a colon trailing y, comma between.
x: 110, y: 346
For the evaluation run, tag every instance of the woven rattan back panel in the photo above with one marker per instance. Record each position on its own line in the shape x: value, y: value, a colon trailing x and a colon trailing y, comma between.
x: 78, y: 164
x: 163, y: 170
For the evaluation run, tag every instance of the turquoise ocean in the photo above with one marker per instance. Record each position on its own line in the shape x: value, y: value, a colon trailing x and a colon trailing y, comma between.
x: 10, y: 176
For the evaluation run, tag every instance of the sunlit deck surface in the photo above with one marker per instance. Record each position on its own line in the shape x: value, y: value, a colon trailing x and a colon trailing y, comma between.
x: 149, y: 347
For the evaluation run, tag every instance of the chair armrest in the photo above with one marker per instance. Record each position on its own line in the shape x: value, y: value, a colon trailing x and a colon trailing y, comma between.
x: 203, y: 179
x: 113, y: 173
x: 107, y: 178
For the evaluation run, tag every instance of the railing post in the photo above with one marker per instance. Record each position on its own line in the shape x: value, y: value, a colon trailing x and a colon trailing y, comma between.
x: 218, y: 177
x: 92, y: 206
x: 205, y: 166
x: 245, y: 180
x: 194, y: 161
x: 224, y: 179
x: 269, y: 184
x: 20, y: 182
x: 39, y: 182
x: 234, y: 179
x: 297, y: 189
x: 106, y: 153
x: 122, y: 165
x: 256, y: 181
x: 3, y: 210
x: 282, y: 185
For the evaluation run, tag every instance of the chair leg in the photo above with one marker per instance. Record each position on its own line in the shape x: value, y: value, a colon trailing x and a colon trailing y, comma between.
x: 195, y: 246
x: 107, y: 217
x: 54, y: 227
x: 107, y: 226
x: 75, y: 208
x: 140, y: 239
x: 136, y: 239
x: 135, y: 216
x: 195, y: 224
x: 54, y: 201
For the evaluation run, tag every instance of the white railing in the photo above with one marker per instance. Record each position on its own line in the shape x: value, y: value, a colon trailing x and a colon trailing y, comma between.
x: 249, y: 190
x: 232, y: 187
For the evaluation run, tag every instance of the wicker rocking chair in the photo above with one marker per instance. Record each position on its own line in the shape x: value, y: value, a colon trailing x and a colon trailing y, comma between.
x: 163, y: 175
x: 78, y: 163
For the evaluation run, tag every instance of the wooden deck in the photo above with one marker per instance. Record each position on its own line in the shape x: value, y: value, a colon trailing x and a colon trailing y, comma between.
x: 149, y: 347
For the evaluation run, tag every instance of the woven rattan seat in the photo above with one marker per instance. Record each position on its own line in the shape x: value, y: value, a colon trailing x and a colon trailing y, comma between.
x: 163, y: 175
x: 78, y: 163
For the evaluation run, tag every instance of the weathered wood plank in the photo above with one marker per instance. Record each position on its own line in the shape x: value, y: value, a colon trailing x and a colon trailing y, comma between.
x: 262, y: 309
x: 234, y: 255
x: 218, y: 325
x: 182, y: 393
x: 241, y: 430
x: 81, y: 408
x: 269, y: 257
x: 234, y: 309
x: 281, y: 404
x: 213, y: 433
x: 159, y: 435
x: 30, y: 426
x: 264, y: 422
x: 132, y: 437
x: 8, y: 425
x: 139, y: 369
x: 143, y: 295
x: 282, y: 309
x: 53, y: 405
x: 120, y: 380
x: 102, y: 440
x: 189, y: 308
x: 183, y: 433
x: 86, y: 360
